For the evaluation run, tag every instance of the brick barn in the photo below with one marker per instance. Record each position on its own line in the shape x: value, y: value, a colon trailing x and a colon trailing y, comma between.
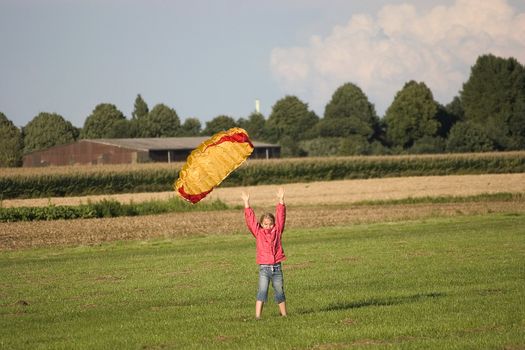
x: 130, y: 151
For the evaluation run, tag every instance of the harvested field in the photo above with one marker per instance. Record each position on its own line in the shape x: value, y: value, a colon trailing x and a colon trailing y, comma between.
x: 310, y: 205
x: 328, y: 192
x: 93, y: 231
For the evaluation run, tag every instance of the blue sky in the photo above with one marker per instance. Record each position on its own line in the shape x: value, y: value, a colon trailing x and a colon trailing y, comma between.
x: 210, y: 58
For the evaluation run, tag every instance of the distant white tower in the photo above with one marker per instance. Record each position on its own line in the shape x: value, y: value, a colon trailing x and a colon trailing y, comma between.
x: 257, y: 106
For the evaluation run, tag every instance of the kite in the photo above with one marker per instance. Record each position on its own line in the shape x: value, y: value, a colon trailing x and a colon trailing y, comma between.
x: 211, y: 162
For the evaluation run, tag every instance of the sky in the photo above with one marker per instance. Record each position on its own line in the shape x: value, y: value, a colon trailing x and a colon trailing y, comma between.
x: 206, y: 58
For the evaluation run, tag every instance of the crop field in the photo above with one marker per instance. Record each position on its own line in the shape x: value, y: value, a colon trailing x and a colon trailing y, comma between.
x: 316, y: 204
x: 326, y: 192
x: 83, y: 181
x: 434, y: 262
x: 117, y: 168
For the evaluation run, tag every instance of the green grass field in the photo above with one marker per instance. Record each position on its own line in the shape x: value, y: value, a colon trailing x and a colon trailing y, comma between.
x: 447, y: 283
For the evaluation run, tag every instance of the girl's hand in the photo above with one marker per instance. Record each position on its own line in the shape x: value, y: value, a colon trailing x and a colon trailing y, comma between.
x: 246, y: 199
x: 280, y: 195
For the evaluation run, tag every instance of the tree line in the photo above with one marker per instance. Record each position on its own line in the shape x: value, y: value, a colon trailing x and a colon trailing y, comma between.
x: 488, y: 114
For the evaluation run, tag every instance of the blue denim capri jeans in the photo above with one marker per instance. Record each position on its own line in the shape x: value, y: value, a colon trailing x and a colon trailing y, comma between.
x: 272, y: 273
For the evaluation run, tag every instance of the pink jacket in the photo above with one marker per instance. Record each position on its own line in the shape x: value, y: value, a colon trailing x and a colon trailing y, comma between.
x: 268, y: 241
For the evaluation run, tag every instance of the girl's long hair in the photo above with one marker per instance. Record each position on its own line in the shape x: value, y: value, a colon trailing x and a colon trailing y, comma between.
x: 267, y: 216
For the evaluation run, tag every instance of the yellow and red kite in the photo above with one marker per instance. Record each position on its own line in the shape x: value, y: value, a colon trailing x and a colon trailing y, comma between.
x: 211, y: 162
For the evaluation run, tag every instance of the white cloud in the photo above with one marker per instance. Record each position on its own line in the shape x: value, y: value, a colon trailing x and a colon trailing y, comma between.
x: 380, y: 53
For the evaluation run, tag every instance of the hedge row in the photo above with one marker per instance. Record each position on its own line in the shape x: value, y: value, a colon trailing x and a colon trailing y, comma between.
x: 262, y: 172
x: 326, y: 169
x: 103, y: 209
x: 81, y: 184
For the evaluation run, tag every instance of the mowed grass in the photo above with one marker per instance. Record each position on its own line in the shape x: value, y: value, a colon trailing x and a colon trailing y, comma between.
x: 447, y: 283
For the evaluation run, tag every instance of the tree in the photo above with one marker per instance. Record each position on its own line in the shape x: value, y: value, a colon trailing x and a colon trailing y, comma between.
x: 11, y: 144
x: 445, y: 121
x: 354, y: 145
x: 341, y: 146
x: 455, y: 109
x: 290, y: 117
x: 289, y: 123
x: 254, y: 125
x: 494, y: 98
x: 468, y: 137
x: 219, y: 123
x: 124, y: 128
x: 322, y: 146
x: 102, y: 121
x: 161, y: 121
x: 448, y: 116
x: 141, y: 108
x: 47, y: 130
x: 349, y: 113
x: 411, y: 116
x: 191, y: 127
x: 428, y: 144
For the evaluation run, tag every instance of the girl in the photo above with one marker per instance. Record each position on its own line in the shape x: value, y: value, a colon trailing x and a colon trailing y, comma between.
x: 268, y: 233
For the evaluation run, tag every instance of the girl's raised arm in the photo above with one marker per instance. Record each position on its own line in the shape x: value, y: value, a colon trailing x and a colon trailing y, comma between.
x: 246, y: 199
x: 280, y: 211
x: 280, y: 195
x: 249, y: 215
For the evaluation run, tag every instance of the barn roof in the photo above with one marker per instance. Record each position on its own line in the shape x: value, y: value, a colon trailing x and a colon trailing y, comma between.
x: 163, y: 143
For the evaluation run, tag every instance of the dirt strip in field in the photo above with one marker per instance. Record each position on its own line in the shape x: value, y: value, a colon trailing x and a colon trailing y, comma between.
x: 351, y: 191
x: 94, y: 231
x: 327, y: 192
